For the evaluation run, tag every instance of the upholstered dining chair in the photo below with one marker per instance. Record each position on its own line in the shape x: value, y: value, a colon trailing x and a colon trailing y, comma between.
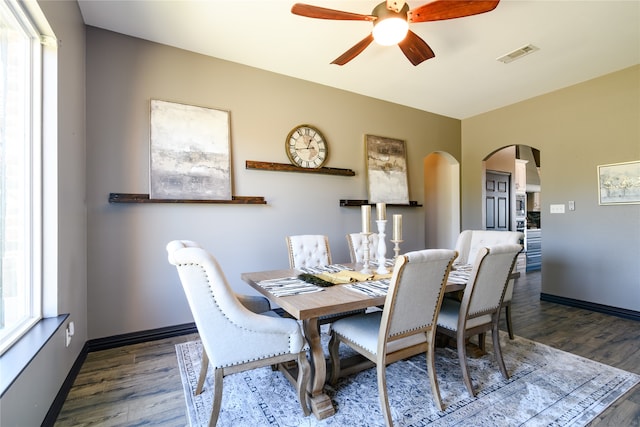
x: 255, y: 303
x: 468, y: 244
x: 312, y: 250
x: 407, y: 324
x: 308, y: 250
x: 355, y: 241
x: 479, y: 310
x: 234, y: 339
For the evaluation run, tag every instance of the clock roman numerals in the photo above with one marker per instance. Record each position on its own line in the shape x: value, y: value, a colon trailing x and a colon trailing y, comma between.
x: 306, y: 147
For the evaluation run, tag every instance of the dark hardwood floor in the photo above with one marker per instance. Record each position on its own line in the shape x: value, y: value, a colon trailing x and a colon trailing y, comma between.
x: 140, y: 384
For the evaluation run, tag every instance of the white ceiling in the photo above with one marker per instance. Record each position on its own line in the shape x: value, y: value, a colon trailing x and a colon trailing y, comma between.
x: 578, y: 40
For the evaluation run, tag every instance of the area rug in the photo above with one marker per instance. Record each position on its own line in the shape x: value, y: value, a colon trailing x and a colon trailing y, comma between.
x: 548, y: 387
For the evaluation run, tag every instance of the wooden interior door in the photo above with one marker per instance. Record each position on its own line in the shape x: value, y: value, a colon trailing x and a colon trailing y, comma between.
x: 497, y: 201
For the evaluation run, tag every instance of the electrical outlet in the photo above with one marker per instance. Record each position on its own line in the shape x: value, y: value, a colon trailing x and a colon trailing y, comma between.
x: 69, y: 332
x: 572, y: 205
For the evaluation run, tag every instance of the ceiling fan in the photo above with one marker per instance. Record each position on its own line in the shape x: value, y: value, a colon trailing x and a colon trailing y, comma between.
x: 397, y: 12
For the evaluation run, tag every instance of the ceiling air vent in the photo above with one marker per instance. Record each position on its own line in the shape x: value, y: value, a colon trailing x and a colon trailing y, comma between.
x: 517, y: 54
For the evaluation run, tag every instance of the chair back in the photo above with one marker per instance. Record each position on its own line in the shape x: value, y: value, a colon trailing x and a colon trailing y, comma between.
x: 471, y: 241
x: 488, y: 281
x: 220, y: 318
x: 356, y: 246
x: 308, y: 250
x: 415, y: 293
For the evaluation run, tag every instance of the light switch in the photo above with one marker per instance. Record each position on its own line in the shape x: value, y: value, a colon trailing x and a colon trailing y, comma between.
x: 572, y: 205
x: 559, y: 209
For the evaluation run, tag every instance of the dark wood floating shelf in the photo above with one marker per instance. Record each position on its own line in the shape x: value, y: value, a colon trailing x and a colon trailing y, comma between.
x: 343, y: 202
x: 144, y: 198
x: 285, y: 167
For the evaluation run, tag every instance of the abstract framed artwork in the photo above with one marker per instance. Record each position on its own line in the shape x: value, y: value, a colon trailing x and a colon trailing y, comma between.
x: 619, y: 183
x: 190, y: 152
x: 386, y: 170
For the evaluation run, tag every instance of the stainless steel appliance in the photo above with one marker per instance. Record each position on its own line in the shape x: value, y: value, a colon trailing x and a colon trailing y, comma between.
x: 521, y: 206
x: 521, y: 212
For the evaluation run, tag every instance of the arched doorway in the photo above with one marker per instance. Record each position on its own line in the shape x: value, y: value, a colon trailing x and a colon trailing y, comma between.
x: 441, y: 199
x: 521, y: 164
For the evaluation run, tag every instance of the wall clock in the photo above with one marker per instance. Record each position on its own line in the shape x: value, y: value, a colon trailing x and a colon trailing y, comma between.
x: 306, y: 147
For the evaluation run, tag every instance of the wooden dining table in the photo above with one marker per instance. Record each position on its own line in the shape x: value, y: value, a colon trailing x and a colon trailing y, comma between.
x: 308, y: 308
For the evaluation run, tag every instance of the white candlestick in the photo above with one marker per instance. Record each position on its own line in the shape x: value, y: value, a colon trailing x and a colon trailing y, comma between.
x: 382, y: 247
x: 396, y: 249
x: 381, y: 211
x: 366, y: 218
x: 366, y: 255
x: 397, y: 227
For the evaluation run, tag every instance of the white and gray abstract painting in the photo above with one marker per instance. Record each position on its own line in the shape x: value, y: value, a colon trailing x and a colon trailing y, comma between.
x: 190, y: 152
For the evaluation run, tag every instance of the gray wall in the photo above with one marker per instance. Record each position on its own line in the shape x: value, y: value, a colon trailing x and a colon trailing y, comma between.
x: 131, y: 286
x: 29, y: 398
x: 592, y: 253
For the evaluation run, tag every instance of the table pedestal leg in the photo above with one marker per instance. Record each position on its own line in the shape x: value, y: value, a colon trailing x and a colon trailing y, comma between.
x: 320, y: 403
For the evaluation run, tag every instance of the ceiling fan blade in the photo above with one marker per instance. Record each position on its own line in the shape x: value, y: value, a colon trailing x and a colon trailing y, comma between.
x: 439, y: 10
x: 415, y: 49
x: 354, y: 51
x: 324, y: 13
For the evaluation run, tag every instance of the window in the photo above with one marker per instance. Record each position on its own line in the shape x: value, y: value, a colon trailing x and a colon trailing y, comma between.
x: 20, y: 173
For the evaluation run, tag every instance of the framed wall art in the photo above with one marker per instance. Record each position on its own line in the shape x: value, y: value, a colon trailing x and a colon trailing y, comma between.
x: 386, y: 170
x: 619, y: 183
x: 190, y: 152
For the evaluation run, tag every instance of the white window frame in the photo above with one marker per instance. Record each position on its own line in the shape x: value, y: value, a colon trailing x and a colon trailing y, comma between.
x: 32, y: 20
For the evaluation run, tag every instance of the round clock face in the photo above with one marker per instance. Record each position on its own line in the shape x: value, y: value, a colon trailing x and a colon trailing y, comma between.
x: 306, y: 147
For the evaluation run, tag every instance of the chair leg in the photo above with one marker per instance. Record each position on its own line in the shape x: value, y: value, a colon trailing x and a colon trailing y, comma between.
x: 204, y: 365
x: 496, y: 348
x: 481, y: 342
x: 507, y: 312
x: 431, y: 368
x: 218, y: 377
x: 304, y: 369
x: 462, y: 355
x: 334, y: 344
x: 382, y: 393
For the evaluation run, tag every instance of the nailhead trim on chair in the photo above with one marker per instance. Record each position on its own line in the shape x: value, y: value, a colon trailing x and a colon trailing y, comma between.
x: 230, y: 321
x: 409, y: 330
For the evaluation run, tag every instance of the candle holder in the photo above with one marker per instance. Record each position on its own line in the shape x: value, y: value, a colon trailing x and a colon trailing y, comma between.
x: 396, y: 248
x: 382, y: 247
x: 366, y: 268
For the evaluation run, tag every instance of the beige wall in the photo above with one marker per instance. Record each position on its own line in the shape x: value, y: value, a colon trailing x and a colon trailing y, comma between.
x: 131, y: 285
x: 592, y: 253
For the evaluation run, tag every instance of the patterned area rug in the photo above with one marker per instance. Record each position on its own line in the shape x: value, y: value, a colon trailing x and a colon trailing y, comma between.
x: 548, y: 387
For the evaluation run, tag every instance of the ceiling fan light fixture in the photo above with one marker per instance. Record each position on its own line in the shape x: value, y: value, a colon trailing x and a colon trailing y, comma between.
x: 390, y: 31
x: 391, y: 20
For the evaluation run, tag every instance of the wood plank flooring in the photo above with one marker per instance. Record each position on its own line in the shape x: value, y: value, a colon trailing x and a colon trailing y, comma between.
x: 139, y: 385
